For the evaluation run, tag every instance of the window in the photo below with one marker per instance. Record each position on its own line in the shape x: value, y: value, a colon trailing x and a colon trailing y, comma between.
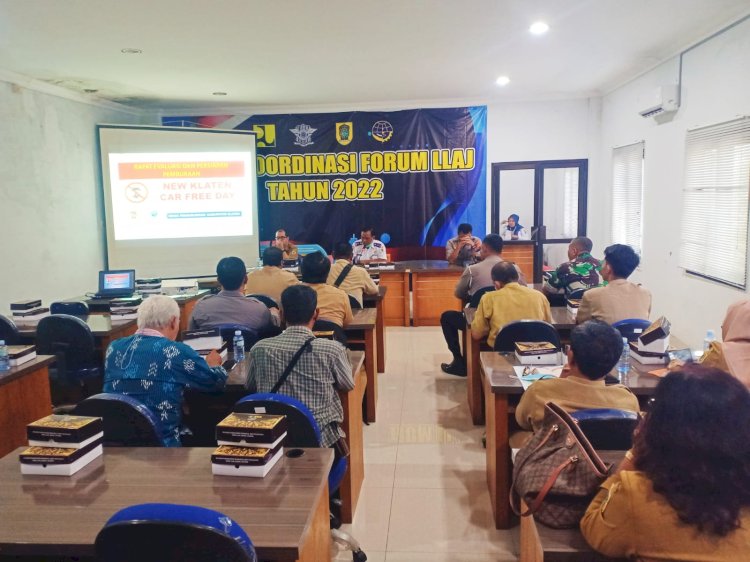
x: 715, y: 202
x: 627, y: 195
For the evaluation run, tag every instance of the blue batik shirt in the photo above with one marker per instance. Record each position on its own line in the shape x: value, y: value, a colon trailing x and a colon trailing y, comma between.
x: 156, y: 371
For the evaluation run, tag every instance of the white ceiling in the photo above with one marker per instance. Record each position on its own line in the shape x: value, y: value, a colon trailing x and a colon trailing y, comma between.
x: 346, y: 52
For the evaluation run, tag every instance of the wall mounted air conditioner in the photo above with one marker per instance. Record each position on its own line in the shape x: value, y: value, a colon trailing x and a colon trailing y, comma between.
x: 663, y: 99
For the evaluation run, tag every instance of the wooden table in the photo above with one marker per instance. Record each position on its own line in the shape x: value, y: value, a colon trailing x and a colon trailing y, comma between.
x: 104, y: 330
x: 362, y: 331
x: 377, y: 300
x: 285, y: 514
x: 502, y: 391
x: 24, y: 398
x: 521, y: 252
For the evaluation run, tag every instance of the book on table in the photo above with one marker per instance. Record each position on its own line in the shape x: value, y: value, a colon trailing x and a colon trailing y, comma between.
x: 244, y: 461
x: 30, y: 315
x: 537, y: 353
x: 20, y: 354
x: 58, y: 461
x: 256, y: 430
x: 60, y: 430
x: 26, y: 305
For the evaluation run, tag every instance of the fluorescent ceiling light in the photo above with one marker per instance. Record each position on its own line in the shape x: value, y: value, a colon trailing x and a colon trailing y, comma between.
x: 502, y: 81
x: 538, y: 28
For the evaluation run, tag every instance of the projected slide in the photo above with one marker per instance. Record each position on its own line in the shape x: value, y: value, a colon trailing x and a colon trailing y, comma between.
x: 181, y: 195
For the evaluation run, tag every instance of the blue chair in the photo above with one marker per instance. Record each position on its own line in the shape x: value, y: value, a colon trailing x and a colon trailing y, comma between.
x: 127, y: 421
x: 73, y: 308
x: 250, y: 335
x: 632, y: 328
x: 162, y: 532
x: 302, y: 431
x: 608, y: 429
x: 9, y: 331
x: 525, y: 330
x: 304, y: 249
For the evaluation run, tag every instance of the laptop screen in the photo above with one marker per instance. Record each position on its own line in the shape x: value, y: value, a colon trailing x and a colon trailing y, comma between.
x: 117, y: 282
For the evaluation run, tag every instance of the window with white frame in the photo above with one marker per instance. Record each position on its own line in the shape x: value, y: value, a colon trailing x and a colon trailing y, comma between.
x: 627, y: 195
x: 715, y: 202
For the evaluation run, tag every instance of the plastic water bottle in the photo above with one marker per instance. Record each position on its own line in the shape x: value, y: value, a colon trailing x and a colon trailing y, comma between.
x: 4, y: 359
x: 707, y: 342
x: 623, y: 365
x: 239, y: 346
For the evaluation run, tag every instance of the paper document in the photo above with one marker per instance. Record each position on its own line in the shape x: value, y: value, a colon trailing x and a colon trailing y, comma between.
x: 528, y: 375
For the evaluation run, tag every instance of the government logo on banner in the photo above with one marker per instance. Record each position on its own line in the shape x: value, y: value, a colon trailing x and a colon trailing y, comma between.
x: 303, y: 135
x: 265, y: 135
x: 344, y: 132
x: 382, y: 131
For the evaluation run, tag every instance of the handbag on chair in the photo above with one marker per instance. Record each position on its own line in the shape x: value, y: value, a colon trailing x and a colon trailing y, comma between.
x: 557, y: 472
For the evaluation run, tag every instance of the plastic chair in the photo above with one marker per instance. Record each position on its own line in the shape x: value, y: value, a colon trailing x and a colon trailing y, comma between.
x: 76, y: 368
x: 73, y: 308
x: 162, y: 532
x: 608, y: 429
x: 9, y: 331
x: 322, y: 326
x: 302, y: 431
x: 525, y: 330
x: 127, y: 421
x: 632, y: 328
x: 250, y: 335
x: 304, y: 249
x: 354, y: 303
x: 265, y: 299
x: 476, y: 297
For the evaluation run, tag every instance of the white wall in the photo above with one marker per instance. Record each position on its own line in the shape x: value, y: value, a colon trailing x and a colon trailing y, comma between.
x: 716, y: 88
x: 52, y: 242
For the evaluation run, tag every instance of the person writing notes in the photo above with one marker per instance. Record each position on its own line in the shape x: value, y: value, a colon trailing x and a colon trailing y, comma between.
x: 514, y: 230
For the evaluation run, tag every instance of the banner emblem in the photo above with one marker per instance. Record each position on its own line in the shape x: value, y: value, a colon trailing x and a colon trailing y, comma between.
x: 265, y: 135
x: 303, y: 135
x: 344, y: 132
x: 382, y: 131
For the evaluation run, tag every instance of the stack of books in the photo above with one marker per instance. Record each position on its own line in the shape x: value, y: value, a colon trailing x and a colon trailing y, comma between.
x: 651, y: 346
x: 125, y: 308
x: 146, y: 287
x: 249, y: 444
x: 573, y: 305
x: 537, y: 353
x: 61, y: 445
x: 20, y: 354
x: 28, y: 311
x: 205, y: 341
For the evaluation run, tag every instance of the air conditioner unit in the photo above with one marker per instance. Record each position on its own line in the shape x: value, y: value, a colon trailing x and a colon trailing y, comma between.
x: 663, y: 99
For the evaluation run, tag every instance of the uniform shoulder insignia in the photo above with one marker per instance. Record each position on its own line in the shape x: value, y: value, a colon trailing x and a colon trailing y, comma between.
x: 358, y: 243
x: 378, y: 244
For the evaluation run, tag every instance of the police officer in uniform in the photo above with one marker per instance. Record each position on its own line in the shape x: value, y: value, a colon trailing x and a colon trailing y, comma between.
x: 368, y: 250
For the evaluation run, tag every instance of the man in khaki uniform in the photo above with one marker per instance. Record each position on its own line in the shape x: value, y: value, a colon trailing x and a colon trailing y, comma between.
x: 270, y: 280
x: 508, y: 303
x: 620, y: 299
x: 333, y: 303
x: 356, y: 281
x: 282, y: 243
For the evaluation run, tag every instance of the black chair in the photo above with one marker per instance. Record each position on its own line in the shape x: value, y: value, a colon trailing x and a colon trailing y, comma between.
x: 354, y: 303
x: 265, y: 299
x: 9, y: 331
x: 73, y: 308
x: 160, y: 532
x: 525, y: 330
x: 250, y: 335
x: 330, y: 330
x: 608, y: 429
x: 577, y: 294
x: 127, y: 421
x: 476, y: 297
x: 76, y: 373
x: 632, y: 328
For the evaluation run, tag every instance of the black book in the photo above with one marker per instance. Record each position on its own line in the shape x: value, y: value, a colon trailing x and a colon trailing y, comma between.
x: 26, y: 305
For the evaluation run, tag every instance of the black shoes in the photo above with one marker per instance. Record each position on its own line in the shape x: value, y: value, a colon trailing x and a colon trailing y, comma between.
x: 456, y: 367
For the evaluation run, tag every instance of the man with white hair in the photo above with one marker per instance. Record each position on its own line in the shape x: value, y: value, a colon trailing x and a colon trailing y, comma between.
x: 155, y: 369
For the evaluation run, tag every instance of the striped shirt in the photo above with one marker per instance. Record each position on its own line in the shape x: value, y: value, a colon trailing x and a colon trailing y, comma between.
x: 314, y: 379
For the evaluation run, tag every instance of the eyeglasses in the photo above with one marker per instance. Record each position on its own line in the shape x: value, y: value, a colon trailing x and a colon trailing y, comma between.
x: 281, y: 237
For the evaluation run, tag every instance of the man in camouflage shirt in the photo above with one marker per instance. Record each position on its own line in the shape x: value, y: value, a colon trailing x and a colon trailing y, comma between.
x: 581, y: 272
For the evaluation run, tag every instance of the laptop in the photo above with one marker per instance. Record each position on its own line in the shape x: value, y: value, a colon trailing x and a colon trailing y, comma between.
x: 116, y: 284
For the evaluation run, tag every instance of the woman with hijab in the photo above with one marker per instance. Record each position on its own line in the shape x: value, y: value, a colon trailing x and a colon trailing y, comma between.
x: 733, y: 353
x: 514, y: 230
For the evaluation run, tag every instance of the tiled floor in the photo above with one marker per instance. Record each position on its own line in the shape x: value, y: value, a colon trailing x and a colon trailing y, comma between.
x: 425, y: 496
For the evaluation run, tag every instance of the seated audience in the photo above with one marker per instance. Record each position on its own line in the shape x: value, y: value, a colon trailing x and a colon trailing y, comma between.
x: 513, y: 230
x: 474, y: 278
x: 270, y: 280
x: 733, y: 353
x: 509, y: 302
x: 581, y: 272
x: 464, y: 248
x: 230, y: 306
x: 356, y: 280
x: 333, y: 303
x: 620, y: 299
x: 152, y: 367
x: 289, y: 250
x: 595, y: 348
x: 683, y: 491
x: 368, y: 249
x: 321, y: 369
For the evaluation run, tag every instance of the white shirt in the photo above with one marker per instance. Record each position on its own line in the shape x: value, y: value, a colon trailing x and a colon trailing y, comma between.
x: 374, y: 251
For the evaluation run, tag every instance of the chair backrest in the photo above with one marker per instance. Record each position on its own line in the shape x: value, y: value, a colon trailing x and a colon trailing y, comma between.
x: 354, y: 303
x: 526, y: 330
x: 608, y: 429
x: 127, y: 422
x: 327, y: 326
x: 157, y: 532
x: 8, y: 331
x: 265, y: 299
x: 304, y: 249
x: 69, y: 339
x: 631, y: 328
x: 577, y: 294
x: 250, y: 335
x: 476, y: 297
x: 74, y: 308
